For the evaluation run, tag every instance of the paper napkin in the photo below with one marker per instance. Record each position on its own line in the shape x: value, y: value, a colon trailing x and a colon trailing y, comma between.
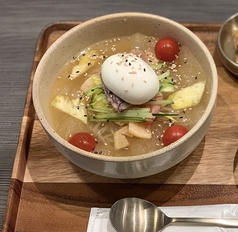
x: 99, y: 217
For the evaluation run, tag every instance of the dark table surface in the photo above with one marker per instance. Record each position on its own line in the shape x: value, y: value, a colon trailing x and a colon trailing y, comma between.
x: 20, y: 25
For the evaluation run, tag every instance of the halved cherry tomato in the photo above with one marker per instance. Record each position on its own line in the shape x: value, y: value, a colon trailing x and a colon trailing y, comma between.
x: 83, y: 140
x: 173, y: 133
x: 166, y: 49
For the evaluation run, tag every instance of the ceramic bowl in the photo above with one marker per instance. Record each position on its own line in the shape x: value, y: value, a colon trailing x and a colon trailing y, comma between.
x: 106, y: 27
x: 226, y: 44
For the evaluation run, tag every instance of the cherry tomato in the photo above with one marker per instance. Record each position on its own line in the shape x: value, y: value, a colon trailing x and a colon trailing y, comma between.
x: 83, y: 141
x: 166, y: 49
x: 173, y: 133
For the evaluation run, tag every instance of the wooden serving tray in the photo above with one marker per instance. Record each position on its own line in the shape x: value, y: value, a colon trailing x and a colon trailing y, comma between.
x: 48, y: 193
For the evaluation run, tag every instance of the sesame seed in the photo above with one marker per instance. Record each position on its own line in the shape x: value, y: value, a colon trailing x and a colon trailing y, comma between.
x: 133, y: 72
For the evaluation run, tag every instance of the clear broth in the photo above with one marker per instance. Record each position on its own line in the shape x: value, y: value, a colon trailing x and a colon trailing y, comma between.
x: 186, y: 70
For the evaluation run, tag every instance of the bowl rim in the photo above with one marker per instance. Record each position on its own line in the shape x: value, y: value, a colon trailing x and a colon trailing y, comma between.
x: 149, y: 155
x: 219, y: 39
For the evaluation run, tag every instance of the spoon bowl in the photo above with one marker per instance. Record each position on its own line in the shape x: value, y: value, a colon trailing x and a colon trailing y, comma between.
x: 137, y: 215
x: 134, y: 215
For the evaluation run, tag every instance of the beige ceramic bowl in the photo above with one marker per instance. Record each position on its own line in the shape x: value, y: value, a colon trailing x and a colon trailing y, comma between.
x: 226, y: 44
x: 106, y: 27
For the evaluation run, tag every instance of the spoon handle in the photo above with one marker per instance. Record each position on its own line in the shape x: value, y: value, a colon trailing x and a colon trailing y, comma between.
x: 230, y: 223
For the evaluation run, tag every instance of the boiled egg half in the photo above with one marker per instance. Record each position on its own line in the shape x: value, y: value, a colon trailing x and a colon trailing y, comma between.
x: 130, y: 78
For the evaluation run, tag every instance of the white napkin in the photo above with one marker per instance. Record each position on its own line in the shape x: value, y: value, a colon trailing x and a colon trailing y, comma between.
x: 99, y: 217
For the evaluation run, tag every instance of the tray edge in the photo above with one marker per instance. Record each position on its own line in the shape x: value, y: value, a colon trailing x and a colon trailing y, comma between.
x: 15, y: 188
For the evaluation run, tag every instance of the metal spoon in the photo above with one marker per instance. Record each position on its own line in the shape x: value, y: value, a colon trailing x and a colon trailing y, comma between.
x: 137, y: 215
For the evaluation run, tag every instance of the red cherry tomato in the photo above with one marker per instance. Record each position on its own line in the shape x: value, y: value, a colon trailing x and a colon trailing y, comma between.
x: 83, y: 141
x: 166, y: 49
x: 173, y: 133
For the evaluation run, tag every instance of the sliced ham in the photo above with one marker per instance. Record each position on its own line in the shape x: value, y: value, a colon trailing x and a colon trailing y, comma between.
x: 117, y: 103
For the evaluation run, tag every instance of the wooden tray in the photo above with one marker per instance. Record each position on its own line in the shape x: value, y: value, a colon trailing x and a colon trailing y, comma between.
x: 48, y: 193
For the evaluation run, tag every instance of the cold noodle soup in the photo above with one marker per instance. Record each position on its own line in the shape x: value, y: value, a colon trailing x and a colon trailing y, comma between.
x: 85, y: 98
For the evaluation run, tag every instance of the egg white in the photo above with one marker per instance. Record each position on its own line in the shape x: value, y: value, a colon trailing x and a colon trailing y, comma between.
x: 130, y: 78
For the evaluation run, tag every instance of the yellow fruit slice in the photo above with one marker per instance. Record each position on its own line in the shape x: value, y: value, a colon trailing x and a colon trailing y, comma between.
x: 187, y: 97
